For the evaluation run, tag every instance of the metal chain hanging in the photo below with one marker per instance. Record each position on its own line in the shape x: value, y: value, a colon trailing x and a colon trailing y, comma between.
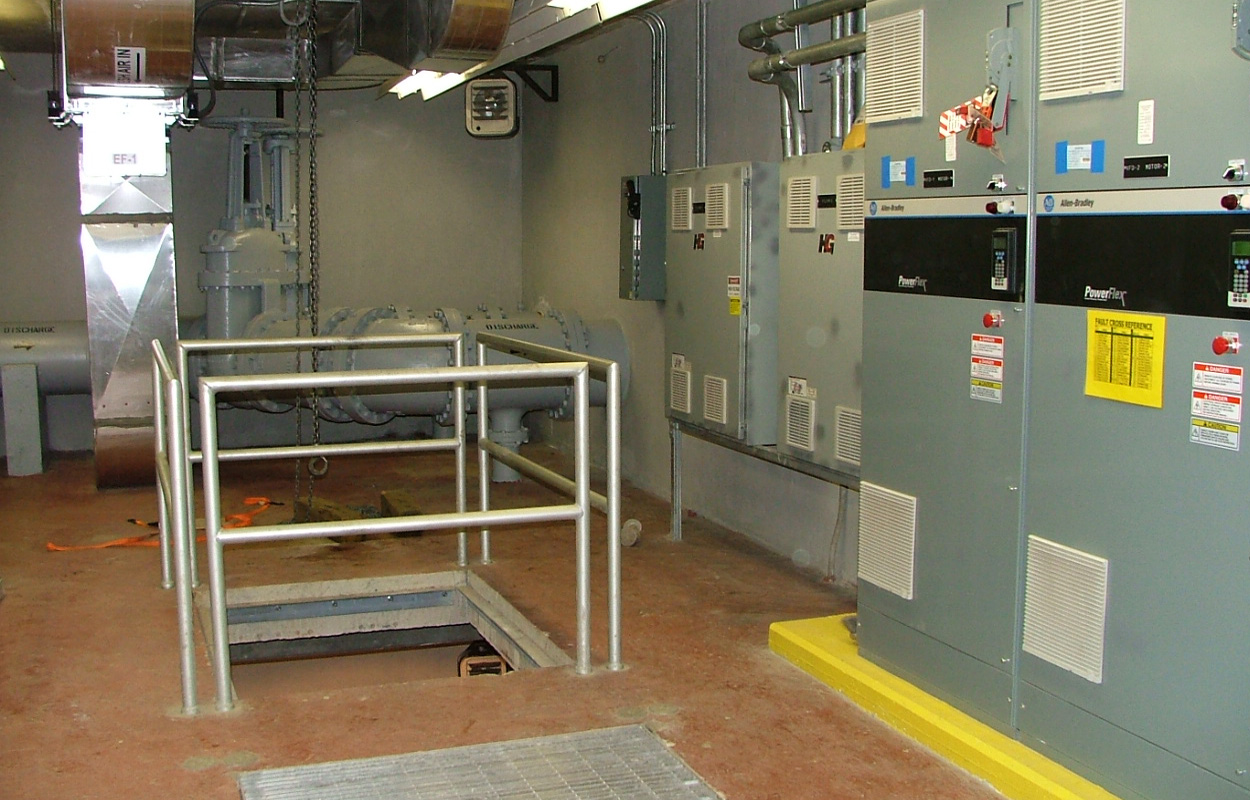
x: 296, y: 35
x: 305, y: 34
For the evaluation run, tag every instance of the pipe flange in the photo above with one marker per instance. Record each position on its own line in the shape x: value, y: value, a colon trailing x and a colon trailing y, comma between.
x: 576, y: 340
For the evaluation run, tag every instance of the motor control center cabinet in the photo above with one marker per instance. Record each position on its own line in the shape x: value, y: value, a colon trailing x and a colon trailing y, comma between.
x: 720, y: 308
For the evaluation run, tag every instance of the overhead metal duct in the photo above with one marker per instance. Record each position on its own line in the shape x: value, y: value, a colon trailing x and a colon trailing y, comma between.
x: 438, y: 35
x: 124, y: 47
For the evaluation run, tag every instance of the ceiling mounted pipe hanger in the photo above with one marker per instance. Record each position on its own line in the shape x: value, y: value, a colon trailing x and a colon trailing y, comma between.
x: 757, y: 36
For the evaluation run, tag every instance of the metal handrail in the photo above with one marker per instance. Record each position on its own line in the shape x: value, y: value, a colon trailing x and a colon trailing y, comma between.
x: 174, y: 479
x: 610, y: 372
x: 453, y: 341
x: 218, y: 537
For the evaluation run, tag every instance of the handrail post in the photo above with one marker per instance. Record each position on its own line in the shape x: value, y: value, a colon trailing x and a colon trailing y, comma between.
x: 614, y: 517
x: 184, y: 379
x: 183, y: 537
x: 462, y: 494
x: 483, y: 457
x: 581, y: 444
x: 162, y: 453
x: 216, y: 554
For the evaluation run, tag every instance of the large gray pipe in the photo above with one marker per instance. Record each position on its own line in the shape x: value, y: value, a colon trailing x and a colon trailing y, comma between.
x: 57, y: 349
x: 767, y: 70
x: 757, y: 36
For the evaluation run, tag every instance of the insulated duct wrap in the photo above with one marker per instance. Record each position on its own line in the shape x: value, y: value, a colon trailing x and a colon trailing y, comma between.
x: 123, y: 46
x: 440, y: 35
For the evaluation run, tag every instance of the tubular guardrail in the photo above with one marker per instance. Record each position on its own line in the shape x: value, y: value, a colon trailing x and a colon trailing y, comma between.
x: 175, y: 460
x: 610, y: 372
x: 173, y: 474
x: 218, y: 537
x: 453, y: 341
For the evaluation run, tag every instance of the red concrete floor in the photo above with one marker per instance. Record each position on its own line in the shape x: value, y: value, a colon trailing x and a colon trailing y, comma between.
x: 89, y: 686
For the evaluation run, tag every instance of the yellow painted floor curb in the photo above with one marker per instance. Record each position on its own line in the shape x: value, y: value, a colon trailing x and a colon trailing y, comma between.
x: 824, y: 649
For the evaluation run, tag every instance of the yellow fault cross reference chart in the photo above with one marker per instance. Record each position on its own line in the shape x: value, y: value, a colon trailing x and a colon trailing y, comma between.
x: 1124, y: 357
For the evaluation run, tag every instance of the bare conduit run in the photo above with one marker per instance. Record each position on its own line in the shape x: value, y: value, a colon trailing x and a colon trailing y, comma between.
x: 775, y: 67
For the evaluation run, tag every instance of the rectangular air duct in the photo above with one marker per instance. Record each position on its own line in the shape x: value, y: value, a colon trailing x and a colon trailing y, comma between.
x: 116, y: 47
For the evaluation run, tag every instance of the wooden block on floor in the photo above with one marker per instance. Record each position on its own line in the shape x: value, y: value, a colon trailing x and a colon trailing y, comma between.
x: 323, y: 510
x: 400, y: 503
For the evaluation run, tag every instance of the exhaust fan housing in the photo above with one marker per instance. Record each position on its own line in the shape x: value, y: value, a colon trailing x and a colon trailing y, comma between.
x: 490, y: 108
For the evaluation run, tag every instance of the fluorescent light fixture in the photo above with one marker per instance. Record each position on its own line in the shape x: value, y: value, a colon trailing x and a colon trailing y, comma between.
x: 570, y: 7
x: 124, y: 91
x: 2, y: 64
x: 427, y: 82
x: 615, y: 8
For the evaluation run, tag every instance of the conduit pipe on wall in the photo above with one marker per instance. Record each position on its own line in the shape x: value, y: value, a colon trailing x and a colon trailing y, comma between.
x: 775, y: 67
x: 659, y: 90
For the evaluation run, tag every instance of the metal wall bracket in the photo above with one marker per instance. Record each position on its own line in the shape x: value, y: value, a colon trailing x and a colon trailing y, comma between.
x: 524, y: 72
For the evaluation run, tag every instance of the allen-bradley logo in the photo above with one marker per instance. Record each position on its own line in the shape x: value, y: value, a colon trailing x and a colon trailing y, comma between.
x: 913, y: 283
x: 1110, y: 295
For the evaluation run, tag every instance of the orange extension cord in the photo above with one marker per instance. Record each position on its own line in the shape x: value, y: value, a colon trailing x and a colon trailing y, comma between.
x: 240, y: 520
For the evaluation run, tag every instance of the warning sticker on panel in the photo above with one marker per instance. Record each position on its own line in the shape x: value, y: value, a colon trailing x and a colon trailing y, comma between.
x: 1224, y: 435
x: 734, y: 291
x: 1124, y: 356
x: 988, y: 346
x: 990, y: 369
x: 1218, y: 377
x: 1225, y: 407
x: 988, y: 391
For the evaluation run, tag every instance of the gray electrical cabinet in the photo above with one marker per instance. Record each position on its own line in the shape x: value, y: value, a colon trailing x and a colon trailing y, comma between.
x: 642, y: 237
x: 1134, y: 662
x: 821, y: 320
x: 720, y: 310
x: 944, y: 346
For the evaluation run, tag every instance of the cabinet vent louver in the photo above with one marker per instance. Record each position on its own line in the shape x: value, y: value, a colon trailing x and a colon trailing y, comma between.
x: 679, y: 390
x: 1082, y: 48
x: 895, y: 68
x: 801, y: 203
x: 681, y: 210
x: 718, y: 207
x: 714, y: 407
x: 850, y: 427
x: 1065, y: 607
x: 800, y: 422
x: 887, y: 539
x: 851, y: 202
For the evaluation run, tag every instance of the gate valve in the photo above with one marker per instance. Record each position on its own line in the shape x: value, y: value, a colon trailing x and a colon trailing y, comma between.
x: 1222, y: 344
x: 992, y: 319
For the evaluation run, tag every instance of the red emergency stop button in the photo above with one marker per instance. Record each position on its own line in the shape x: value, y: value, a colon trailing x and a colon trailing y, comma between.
x: 992, y: 319
x: 1225, y: 344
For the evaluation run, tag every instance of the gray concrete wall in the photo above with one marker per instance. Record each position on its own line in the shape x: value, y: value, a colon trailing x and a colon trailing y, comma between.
x: 574, y: 155
x: 414, y: 212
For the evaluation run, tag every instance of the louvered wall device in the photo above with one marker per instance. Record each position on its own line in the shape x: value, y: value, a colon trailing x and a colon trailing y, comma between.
x: 1082, y: 48
x: 895, y: 68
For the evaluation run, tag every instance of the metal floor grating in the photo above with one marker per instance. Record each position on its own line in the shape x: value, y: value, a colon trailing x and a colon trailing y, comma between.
x: 629, y: 763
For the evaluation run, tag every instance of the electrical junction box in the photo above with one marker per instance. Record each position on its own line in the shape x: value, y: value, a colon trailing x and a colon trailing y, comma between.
x: 643, y: 226
x: 819, y: 342
x: 1135, y: 464
x: 944, y: 346
x: 720, y: 313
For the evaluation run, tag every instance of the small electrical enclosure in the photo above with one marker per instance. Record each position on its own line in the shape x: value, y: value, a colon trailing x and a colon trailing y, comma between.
x: 642, y: 237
